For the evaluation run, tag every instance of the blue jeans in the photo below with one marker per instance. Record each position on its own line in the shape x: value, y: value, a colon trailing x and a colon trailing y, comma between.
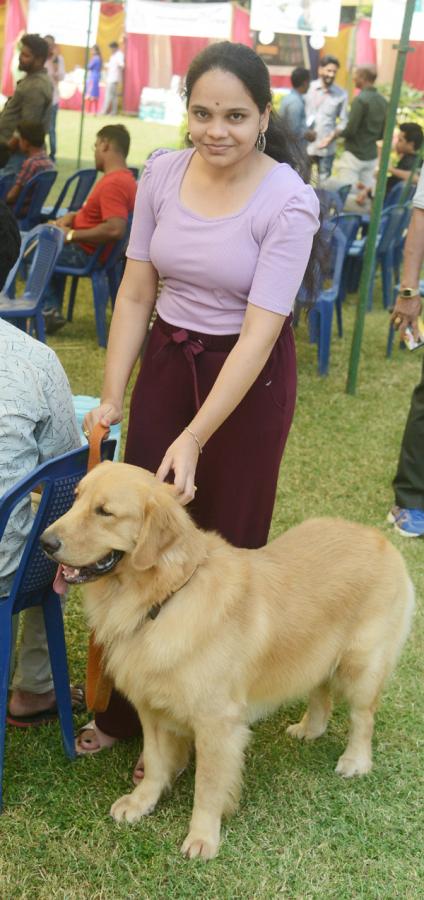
x: 73, y: 256
x: 52, y: 131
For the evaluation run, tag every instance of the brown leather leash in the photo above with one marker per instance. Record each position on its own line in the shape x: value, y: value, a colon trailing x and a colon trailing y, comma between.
x: 98, y: 687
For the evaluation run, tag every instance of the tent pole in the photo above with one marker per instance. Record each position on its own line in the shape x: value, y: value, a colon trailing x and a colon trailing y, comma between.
x: 87, y: 52
x: 370, y: 248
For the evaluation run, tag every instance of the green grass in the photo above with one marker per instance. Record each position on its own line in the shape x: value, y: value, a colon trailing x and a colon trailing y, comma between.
x: 301, y: 832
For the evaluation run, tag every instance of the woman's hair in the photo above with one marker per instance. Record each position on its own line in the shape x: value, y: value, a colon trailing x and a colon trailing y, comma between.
x: 10, y: 240
x: 281, y: 144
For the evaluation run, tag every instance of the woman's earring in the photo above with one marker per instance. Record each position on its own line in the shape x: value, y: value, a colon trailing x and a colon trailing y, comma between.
x: 261, y: 142
x: 188, y: 136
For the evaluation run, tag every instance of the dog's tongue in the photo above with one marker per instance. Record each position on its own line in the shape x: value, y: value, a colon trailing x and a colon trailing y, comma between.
x: 59, y: 584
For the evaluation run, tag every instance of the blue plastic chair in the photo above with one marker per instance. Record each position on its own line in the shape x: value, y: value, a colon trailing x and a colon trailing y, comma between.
x: 6, y: 182
x: 27, y: 208
x: 331, y: 202
x: 105, y: 278
x: 77, y: 187
x: 33, y: 581
x: 349, y: 224
x: 400, y: 193
x: 391, y: 334
x: 391, y: 236
x: 321, y: 314
x: 42, y: 245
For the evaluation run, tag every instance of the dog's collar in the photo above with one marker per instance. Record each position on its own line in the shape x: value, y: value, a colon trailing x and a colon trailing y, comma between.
x: 155, y: 610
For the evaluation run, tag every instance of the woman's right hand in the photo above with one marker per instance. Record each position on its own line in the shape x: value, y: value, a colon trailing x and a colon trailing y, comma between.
x: 108, y: 413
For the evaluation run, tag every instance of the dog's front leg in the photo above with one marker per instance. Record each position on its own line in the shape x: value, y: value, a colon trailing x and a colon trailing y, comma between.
x: 165, y: 754
x: 219, y: 747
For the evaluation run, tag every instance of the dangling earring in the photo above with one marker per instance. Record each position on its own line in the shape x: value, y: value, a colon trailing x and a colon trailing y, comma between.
x: 261, y: 142
x: 188, y: 138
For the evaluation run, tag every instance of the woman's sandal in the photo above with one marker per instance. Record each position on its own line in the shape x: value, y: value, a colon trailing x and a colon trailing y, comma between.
x: 95, y: 740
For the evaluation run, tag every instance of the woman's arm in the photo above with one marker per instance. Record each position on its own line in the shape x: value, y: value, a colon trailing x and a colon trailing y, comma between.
x: 133, y: 308
x: 246, y: 360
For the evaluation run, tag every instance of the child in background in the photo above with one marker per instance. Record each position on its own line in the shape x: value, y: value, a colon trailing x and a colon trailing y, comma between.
x: 31, y: 142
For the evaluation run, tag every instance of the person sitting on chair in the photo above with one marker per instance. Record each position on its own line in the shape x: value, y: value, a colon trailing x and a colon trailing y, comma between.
x: 37, y: 423
x: 102, y: 220
x: 31, y: 143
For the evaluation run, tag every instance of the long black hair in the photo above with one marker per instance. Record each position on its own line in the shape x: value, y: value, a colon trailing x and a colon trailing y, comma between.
x: 281, y: 144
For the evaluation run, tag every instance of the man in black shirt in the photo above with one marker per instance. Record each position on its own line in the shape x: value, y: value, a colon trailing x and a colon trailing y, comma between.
x: 408, y: 143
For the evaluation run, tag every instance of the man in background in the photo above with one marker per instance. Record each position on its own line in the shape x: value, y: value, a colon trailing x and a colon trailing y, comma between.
x: 31, y: 102
x: 408, y: 514
x: 326, y: 114
x: 292, y: 108
x: 55, y: 67
x: 102, y: 220
x: 408, y: 143
x: 367, y: 119
x: 32, y: 145
x: 114, y: 74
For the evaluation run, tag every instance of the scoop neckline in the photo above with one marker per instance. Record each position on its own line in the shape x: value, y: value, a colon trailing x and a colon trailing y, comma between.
x: 235, y: 215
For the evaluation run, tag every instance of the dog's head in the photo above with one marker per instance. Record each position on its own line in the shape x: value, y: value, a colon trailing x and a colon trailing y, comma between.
x: 119, y: 510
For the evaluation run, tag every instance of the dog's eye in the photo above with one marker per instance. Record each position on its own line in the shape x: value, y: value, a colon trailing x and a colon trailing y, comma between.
x: 101, y: 511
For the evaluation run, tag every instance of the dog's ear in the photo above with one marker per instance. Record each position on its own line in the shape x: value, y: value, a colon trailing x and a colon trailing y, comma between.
x: 158, y: 532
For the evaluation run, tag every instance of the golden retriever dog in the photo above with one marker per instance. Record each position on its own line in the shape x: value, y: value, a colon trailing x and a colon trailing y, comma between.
x: 204, y: 638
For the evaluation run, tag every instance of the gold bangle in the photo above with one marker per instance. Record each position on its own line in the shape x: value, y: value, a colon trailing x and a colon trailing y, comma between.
x: 195, y: 438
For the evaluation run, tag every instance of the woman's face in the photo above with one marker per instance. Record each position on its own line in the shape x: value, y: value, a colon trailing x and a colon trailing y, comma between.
x: 223, y: 119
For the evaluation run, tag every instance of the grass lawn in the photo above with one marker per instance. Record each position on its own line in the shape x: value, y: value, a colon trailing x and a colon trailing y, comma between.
x: 301, y: 832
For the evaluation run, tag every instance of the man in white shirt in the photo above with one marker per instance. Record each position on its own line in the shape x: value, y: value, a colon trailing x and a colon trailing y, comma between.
x: 55, y: 66
x: 115, y: 69
x: 326, y: 114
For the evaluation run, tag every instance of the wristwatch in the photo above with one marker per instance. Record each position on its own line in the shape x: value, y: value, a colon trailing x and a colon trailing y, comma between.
x: 407, y: 293
x: 69, y: 236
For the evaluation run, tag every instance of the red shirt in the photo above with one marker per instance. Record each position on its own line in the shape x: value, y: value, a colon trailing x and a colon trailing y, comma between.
x: 113, y: 196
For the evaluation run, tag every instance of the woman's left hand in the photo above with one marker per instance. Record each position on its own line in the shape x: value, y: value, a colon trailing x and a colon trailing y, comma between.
x: 181, y: 458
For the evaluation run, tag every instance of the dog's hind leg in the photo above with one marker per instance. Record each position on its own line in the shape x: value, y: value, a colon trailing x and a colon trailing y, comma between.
x: 361, y: 687
x: 219, y: 762
x: 165, y: 754
x: 314, y: 722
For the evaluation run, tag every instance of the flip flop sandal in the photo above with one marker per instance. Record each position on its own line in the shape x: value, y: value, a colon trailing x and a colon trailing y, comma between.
x: 102, y: 740
x: 45, y: 716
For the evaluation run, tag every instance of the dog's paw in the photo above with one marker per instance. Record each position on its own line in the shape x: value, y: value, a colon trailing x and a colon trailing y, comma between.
x: 348, y: 766
x: 130, y: 809
x: 302, y: 732
x: 196, y: 845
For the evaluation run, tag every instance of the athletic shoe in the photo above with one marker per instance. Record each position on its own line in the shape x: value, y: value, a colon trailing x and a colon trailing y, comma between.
x: 394, y: 514
x: 410, y: 522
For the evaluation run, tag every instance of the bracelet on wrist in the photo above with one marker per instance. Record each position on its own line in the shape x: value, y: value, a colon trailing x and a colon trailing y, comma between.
x: 195, y: 438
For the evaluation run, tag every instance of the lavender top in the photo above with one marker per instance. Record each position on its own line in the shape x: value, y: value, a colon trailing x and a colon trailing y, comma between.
x: 211, y: 268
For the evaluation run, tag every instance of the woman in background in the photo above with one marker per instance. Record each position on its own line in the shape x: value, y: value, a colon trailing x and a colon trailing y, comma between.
x: 93, y: 79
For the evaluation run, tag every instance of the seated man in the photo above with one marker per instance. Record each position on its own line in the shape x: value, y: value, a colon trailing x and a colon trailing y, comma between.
x: 37, y: 422
x: 409, y: 142
x: 103, y: 218
x: 31, y: 143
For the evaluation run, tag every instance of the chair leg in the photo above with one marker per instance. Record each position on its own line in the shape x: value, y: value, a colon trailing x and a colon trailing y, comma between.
x: 390, y: 339
x: 100, y: 296
x: 5, y: 654
x: 53, y: 620
x: 39, y: 326
x: 314, y: 325
x: 72, y: 295
x: 387, y: 279
x: 324, y: 342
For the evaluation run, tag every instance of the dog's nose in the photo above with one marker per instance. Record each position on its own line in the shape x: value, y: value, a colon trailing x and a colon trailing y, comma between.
x: 50, y: 543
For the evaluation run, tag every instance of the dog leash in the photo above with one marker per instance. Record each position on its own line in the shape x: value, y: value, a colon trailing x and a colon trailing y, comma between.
x: 98, y: 685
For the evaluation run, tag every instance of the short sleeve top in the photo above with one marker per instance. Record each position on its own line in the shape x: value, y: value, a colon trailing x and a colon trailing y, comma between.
x: 211, y: 267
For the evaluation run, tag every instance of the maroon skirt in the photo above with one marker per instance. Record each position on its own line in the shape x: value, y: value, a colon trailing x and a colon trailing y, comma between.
x: 237, y: 472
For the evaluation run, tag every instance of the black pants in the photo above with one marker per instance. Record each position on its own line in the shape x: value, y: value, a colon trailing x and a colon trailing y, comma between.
x: 409, y: 479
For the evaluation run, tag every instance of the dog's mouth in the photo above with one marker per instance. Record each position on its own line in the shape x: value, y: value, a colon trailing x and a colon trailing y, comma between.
x: 82, y: 574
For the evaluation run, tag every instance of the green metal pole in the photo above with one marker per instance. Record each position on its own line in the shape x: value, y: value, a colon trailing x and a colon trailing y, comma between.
x: 87, y: 51
x: 370, y: 247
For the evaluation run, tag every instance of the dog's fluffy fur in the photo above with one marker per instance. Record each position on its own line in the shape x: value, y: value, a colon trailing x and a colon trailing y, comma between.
x: 325, y: 607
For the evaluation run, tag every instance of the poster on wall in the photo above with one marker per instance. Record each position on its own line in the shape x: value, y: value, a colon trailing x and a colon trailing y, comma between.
x: 67, y: 20
x: 296, y: 16
x: 210, y: 20
x: 387, y: 19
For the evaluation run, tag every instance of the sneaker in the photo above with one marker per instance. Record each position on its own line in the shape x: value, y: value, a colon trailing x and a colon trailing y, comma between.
x: 53, y: 320
x: 410, y: 522
x: 394, y: 514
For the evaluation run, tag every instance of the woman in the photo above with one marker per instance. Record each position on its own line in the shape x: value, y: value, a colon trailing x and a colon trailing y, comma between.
x: 93, y: 80
x: 228, y: 225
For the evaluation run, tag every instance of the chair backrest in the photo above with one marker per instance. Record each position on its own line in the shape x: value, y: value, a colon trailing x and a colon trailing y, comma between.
x: 81, y: 183
x: 338, y: 253
x: 28, y: 206
x: 344, y: 191
x: 5, y: 184
x: 41, y: 246
x: 58, y: 477
x: 119, y: 247
x: 400, y: 193
x: 135, y: 172
x: 392, y: 224
x: 331, y: 202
